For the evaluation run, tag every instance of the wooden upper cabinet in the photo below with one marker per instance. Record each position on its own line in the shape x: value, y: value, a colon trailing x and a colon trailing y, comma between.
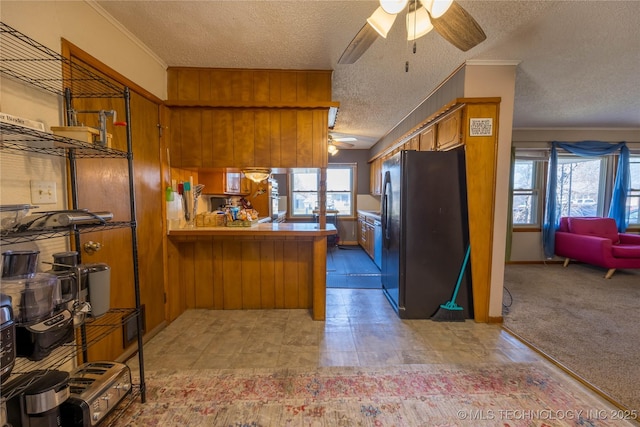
x: 428, y: 139
x: 449, y: 131
x: 245, y: 118
x: 222, y: 182
x: 413, y: 143
x: 375, y: 177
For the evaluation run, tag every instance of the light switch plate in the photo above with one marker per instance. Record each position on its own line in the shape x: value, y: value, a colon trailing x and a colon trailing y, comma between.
x: 43, y: 192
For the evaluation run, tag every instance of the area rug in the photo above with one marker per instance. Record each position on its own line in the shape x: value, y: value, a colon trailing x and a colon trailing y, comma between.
x: 411, y: 395
x: 585, y: 322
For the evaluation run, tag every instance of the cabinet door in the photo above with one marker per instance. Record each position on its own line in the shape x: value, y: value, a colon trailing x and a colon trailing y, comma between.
x: 213, y: 182
x: 221, y: 182
x: 370, y: 239
x: 449, y: 131
x: 362, y: 232
x: 375, y: 178
x: 413, y: 143
x: 428, y: 139
x: 232, y: 183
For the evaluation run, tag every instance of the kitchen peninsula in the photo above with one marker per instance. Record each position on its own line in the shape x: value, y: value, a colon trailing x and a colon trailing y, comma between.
x: 266, y: 266
x: 224, y: 119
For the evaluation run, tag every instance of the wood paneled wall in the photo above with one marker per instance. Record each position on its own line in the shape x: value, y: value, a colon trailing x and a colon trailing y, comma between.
x: 223, y: 118
x: 246, y: 137
x: 481, y: 158
x: 241, y: 273
x: 248, y: 86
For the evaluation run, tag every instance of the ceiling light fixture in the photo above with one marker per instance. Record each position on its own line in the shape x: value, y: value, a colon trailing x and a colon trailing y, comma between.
x: 418, y: 22
x: 418, y: 18
x: 393, y: 6
x: 332, y: 149
x: 381, y: 21
x: 257, y: 175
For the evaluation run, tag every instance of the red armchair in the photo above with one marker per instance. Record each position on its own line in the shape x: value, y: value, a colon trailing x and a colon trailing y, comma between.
x: 595, y: 240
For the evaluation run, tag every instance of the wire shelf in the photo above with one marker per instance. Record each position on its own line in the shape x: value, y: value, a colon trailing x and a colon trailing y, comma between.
x: 25, y: 60
x: 29, y: 236
x: 29, y: 61
x: 19, y: 138
x: 96, y: 330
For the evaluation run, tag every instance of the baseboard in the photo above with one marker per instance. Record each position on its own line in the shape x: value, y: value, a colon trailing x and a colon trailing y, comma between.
x: 133, y: 349
x: 497, y: 319
x: 535, y: 262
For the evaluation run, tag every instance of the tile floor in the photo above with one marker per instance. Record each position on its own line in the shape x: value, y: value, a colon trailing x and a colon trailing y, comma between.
x: 361, y: 329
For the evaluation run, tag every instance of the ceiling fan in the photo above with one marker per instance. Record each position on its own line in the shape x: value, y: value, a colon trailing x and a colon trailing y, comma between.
x: 447, y: 17
x: 335, y: 143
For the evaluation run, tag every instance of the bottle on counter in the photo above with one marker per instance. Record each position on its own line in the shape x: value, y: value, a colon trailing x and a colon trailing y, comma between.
x: 174, y: 209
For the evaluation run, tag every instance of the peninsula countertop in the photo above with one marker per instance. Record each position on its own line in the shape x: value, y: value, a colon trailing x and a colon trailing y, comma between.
x: 266, y: 229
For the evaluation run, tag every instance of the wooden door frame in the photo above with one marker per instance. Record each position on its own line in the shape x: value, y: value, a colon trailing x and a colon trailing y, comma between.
x: 69, y: 51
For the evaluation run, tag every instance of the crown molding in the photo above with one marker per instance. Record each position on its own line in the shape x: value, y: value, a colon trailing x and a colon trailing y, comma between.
x: 106, y: 15
x: 511, y: 62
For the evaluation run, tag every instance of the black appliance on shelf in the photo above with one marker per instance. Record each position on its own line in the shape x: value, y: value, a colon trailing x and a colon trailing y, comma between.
x: 425, y: 231
x: 7, y: 337
x: 33, y: 399
x: 36, y: 341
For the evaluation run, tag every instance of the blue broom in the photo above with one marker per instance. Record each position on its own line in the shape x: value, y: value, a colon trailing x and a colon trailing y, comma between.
x: 450, y: 311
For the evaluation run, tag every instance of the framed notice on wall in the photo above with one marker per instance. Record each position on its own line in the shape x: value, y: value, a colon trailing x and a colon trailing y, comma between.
x: 481, y: 127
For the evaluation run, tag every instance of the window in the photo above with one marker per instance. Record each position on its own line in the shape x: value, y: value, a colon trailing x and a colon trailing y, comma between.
x: 581, y: 183
x: 633, y: 198
x: 584, y: 187
x: 340, y: 190
x: 527, y: 181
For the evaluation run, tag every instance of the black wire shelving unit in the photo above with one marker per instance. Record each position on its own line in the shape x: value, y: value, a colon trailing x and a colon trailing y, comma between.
x: 32, y: 63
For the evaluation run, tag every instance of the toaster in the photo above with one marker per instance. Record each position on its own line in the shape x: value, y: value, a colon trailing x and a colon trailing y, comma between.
x: 95, y: 389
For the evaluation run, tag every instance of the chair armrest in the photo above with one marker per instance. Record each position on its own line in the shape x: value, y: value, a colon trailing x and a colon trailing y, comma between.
x: 629, y: 239
x: 581, y: 247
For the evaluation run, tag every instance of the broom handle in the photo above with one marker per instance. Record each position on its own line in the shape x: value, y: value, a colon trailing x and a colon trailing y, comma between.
x: 464, y: 266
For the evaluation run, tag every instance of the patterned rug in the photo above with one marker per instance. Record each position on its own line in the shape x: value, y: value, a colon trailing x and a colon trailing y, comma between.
x: 411, y: 395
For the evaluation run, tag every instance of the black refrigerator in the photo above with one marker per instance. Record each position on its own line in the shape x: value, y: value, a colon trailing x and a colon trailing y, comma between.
x: 425, y: 232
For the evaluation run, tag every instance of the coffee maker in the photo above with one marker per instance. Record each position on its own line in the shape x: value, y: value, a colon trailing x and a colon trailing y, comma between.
x: 34, y: 399
x: 84, y: 288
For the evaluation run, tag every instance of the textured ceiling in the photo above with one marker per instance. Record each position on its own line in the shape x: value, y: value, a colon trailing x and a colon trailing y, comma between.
x: 580, y: 60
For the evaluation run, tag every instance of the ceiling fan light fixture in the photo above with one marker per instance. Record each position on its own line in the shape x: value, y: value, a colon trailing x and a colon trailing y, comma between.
x: 437, y: 8
x: 393, y: 6
x: 418, y: 23
x: 381, y: 21
x: 257, y: 175
x: 332, y: 149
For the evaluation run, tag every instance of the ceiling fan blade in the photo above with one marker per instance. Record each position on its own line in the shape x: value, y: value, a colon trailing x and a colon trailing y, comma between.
x: 359, y: 45
x: 344, y: 138
x: 459, y: 28
x: 342, y: 144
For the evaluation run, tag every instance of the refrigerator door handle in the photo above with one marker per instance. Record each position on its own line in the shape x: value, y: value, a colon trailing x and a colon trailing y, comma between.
x: 385, y: 208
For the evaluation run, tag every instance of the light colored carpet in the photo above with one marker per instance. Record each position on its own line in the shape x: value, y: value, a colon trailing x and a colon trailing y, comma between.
x: 589, y: 324
x: 525, y: 394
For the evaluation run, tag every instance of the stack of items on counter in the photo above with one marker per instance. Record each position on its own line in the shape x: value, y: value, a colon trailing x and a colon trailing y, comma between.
x: 229, y: 216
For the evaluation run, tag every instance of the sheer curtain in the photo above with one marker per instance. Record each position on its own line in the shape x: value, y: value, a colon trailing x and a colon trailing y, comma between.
x: 620, y: 189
